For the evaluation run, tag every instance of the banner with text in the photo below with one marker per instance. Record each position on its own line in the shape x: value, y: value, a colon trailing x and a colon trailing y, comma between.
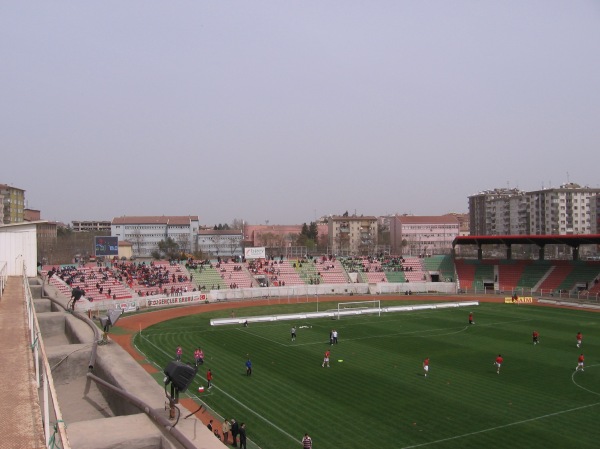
x: 255, y: 253
x: 518, y: 300
x: 175, y: 300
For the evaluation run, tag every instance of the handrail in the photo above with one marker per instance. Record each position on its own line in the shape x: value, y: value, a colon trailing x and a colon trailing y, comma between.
x: 3, y: 276
x: 45, y: 376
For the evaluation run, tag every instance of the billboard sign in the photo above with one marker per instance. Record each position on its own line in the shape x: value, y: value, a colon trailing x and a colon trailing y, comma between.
x: 107, y: 246
x: 255, y: 253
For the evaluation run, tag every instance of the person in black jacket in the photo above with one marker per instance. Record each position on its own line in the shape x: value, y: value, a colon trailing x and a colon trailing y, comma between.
x: 243, y: 436
x: 235, y: 429
x: 76, y: 295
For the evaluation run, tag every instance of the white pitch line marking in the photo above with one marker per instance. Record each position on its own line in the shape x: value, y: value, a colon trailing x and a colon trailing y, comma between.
x: 583, y: 388
x: 503, y: 426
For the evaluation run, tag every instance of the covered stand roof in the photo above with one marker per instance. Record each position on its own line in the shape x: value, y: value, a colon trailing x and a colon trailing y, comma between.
x: 539, y: 240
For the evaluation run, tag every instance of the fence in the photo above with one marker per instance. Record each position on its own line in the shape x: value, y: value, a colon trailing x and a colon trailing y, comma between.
x: 579, y: 296
x: 43, y: 377
x: 3, y: 276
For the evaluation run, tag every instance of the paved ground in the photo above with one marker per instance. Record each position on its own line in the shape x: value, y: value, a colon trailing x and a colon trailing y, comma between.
x: 20, y: 417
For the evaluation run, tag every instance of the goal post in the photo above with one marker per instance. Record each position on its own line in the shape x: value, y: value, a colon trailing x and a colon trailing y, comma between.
x: 372, y: 307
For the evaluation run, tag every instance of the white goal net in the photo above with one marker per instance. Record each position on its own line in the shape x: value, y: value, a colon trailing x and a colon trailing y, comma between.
x: 358, y: 308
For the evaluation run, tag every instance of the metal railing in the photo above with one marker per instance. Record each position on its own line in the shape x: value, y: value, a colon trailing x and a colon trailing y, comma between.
x: 55, y: 435
x: 3, y: 276
x: 573, y: 295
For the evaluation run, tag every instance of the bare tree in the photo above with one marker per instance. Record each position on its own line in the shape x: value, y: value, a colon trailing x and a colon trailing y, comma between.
x: 237, y: 224
x: 183, y: 240
x: 138, y: 241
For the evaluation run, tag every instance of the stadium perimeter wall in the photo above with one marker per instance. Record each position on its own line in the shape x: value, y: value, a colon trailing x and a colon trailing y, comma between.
x: 302, y: 291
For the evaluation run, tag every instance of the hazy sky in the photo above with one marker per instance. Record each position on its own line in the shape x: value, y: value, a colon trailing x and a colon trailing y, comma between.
x: 287, y: 110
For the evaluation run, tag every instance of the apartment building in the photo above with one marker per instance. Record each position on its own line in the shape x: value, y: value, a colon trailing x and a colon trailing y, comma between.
x: 13, y: 200
x: 352, y: 235
x: 568, y: 209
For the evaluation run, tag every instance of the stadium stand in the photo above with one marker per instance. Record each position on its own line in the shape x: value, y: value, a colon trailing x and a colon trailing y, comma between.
x: 307, y: 272
x: 510, y: 272
x: 206, y: 277
x: 159, y: 277
x: 332, y: 271
x: 443, y: 264
x: 465, y: 272
x: 235, y: 275
x: 281, y: 273
x: 555, y: 274
x: 582, y: 275
x: 98, y: 283
x: 414, y: 270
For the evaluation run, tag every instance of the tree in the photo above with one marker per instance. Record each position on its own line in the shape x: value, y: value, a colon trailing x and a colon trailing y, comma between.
x: 138, y: 241
x: 383, y: 235
x: 304, y: 230
x: 168, y: 248
x: 313, y: 232
x: 237, y: 224
x: 308, y: 235
x: 183, y: 240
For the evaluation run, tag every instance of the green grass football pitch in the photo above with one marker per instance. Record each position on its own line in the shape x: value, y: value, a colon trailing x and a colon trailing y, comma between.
x: 375, y: 395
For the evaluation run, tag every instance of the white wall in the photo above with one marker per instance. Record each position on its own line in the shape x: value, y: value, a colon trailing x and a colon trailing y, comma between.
x: 18, y: 243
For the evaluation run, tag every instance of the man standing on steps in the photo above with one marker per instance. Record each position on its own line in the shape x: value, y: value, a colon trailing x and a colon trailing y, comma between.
x: 243, y: 436
x: 235, y: 429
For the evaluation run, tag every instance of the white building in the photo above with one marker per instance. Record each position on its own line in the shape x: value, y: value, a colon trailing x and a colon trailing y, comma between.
x: 223, y: 243
x: 423, y: 235
x: 146, y: 232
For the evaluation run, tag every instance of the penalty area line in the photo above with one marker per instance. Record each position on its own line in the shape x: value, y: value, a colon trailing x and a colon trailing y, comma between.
x: 549, y: 415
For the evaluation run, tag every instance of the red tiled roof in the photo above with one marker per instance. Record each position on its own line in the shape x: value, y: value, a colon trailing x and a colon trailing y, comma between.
x: 220, y: 232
